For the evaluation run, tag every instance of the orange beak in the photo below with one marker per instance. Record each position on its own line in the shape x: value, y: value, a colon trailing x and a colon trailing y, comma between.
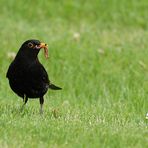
x: 43, y: 45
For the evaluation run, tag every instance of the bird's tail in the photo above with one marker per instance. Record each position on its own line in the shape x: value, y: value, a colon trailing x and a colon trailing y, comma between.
x: 52, y: 86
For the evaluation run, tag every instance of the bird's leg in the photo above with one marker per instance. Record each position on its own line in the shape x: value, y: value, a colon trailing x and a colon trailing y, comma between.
x: 41, y: 105
x: 25, y: 99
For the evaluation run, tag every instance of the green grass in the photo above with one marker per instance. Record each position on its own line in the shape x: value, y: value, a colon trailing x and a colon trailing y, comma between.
x: 103, y: 72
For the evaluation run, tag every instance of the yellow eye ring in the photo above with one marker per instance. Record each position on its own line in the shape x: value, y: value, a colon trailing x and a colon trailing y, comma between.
x: 30, y: 45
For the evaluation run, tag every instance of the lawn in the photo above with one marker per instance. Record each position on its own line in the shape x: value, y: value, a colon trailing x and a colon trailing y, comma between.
x: 98, y: 55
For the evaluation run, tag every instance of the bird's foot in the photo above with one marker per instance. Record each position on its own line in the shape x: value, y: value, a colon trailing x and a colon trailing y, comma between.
x: 22, y: 108
x: 41, y: 110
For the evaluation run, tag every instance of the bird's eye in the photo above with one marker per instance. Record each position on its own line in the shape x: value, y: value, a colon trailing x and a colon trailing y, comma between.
x: 30, y: 45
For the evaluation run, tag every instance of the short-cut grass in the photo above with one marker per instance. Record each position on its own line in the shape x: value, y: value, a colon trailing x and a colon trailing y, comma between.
x: 98, y: 55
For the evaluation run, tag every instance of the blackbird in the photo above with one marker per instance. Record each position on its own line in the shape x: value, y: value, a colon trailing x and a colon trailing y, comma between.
x: 27, y: 76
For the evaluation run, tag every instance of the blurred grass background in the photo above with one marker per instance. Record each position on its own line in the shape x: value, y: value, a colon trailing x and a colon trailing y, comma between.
x: 98, y: 55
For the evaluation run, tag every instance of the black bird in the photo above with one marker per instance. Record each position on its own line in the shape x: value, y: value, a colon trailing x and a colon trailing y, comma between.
x: 27, y: 76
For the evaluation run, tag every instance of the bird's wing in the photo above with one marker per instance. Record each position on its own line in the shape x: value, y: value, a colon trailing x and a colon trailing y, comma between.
x: 11, y: 70
x: 37, y: 75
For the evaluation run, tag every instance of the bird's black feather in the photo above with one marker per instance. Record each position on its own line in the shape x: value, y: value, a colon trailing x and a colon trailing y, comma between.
x: 27, y: 76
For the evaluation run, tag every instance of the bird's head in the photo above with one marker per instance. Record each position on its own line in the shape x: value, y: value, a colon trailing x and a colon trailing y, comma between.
x: 32, y: 48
